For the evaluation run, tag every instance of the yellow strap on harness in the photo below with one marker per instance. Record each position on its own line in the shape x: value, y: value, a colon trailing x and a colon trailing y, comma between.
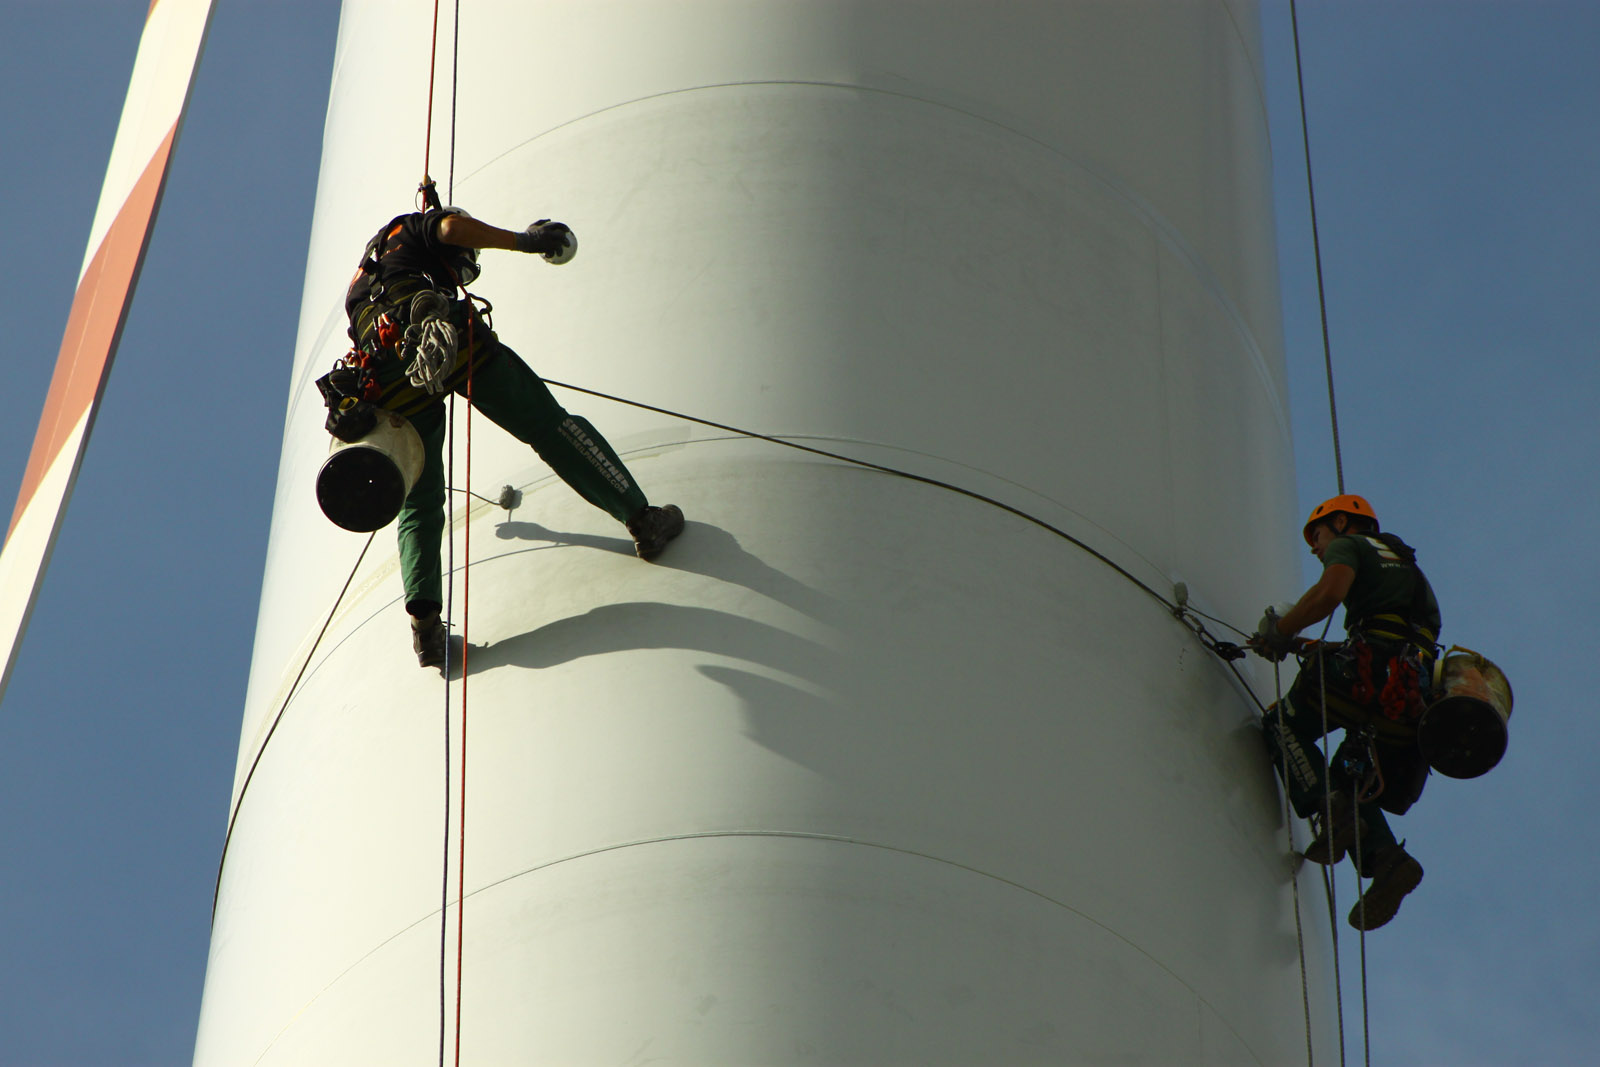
x: 1403, y: 637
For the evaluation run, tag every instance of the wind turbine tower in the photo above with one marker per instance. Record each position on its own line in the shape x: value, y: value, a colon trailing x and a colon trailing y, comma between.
x: 864, y: 770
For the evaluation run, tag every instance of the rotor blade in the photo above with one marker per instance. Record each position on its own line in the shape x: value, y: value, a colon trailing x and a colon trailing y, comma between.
x: 152, y: 115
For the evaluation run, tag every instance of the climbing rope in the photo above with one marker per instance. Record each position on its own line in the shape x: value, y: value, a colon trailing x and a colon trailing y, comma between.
x: 1316, y: 249
x: 1338, y: 469
x: 430, y: 199
x: 233, y: 816
x: 786, y: 443
x: 1179, y: 607
x: 466, y: 572
x: 450, y: 607
x: 1329, y: 882
x: 1188, y: 616
x: 1294, y: 882
x: 1361, y: 903
x: 466, y: 620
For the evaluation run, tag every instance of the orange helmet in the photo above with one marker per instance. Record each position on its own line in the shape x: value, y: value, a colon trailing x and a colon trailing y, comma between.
x: 1349, y: 504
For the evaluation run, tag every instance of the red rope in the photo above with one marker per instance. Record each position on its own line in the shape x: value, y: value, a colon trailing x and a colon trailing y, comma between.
x: 461, y: 844
x: 433, y: 58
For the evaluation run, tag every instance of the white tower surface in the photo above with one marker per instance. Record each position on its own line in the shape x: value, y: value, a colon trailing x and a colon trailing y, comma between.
x: 862, y: 770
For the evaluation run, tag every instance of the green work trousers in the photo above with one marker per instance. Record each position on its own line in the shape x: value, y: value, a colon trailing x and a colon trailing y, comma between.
x: 516, y: 399
x: 1295, y: 725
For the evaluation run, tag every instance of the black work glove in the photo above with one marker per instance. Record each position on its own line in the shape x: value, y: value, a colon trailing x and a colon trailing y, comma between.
x: 548, y: 239
x: 1271, y: 642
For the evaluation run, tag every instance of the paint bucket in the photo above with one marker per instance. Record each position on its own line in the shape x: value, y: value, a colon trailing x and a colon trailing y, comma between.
x: 363, y: 483
x: 1462, y: 734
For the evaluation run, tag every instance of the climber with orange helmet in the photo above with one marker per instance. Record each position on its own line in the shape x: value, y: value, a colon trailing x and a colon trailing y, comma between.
x: 1372, y: 685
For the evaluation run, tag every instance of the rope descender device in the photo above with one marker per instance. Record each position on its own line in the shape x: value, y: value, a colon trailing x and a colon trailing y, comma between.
x: 428, y: 193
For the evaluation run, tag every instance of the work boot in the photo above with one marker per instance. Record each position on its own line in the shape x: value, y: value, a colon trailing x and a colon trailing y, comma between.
x: 1394, y: 875
x: 1338, y: 831
x: 428, y: 636
x: 652, y: 527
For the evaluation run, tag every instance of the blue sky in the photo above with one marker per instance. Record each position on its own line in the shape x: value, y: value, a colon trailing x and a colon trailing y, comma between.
x: 1455, y: 145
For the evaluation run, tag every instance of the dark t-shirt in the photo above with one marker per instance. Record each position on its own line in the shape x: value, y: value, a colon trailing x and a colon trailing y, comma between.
x: 410, y: 258
x: 409, y: 250
x: 1385, y: 584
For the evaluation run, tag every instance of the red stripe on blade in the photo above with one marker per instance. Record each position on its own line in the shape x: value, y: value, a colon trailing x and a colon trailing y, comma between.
x: 95, y: 324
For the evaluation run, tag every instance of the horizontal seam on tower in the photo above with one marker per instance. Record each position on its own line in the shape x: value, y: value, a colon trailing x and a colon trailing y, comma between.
x: 790, y: 834
x: 840, y: 839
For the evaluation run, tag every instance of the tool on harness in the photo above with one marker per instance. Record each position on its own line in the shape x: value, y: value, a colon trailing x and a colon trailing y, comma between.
x: 1357, y: 763
x: 348, y: 390
x: 364, y: 482
x: 1362, y: 687
x: 1401, y: 695
x: 1463, y: 733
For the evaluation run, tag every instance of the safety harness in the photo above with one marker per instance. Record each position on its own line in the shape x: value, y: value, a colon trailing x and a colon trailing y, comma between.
x: 382, y: 327
x: 1402, y: 696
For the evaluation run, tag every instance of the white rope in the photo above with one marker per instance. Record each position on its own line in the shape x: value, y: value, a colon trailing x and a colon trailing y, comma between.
x: 1329, y: 882
x: 430, y: 349
x: 1294, y: 879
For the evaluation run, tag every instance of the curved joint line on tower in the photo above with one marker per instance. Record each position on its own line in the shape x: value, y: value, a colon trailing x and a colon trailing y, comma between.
x: 1178, y: 611
x: 1166, y: 232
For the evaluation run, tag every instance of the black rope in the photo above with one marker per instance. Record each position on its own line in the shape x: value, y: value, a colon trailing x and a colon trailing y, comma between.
x: 479, y: 496
x: 1338, y: 470
x: 1182, y: 612
x: 1316, y: 248
x: 1186, y: 615
x: 444, y: 904
x: 444, y: 890
x: 233, y: 816
x: 1329, y: 882
x: 1294, y: 881
x: 924, y: 479
x: 455, y: 72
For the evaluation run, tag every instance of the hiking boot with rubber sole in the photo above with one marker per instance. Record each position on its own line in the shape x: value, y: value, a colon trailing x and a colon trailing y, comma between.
x: 1338, y: 834
x: 653, y: 527
x: 428, y: 641
x: 1396, y: 875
